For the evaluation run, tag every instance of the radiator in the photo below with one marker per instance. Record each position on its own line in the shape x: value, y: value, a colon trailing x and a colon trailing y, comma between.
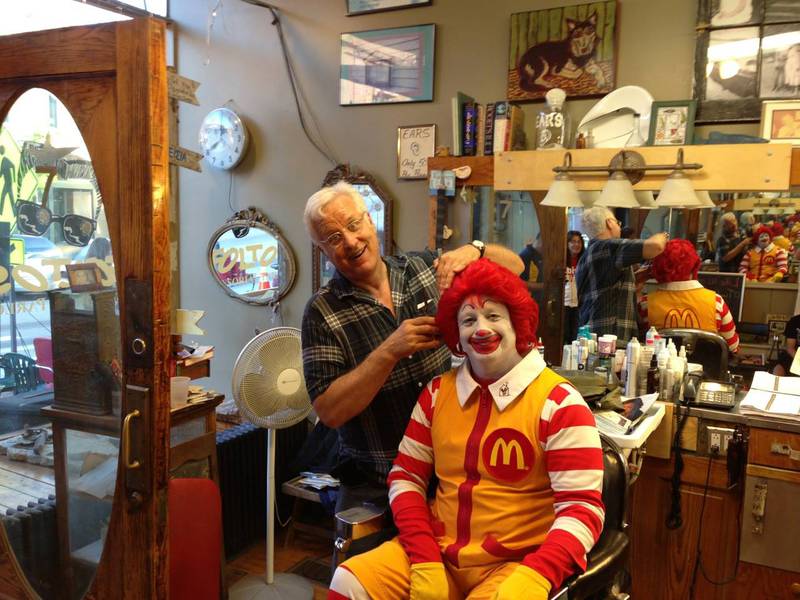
x: 242, y: 463
x: 32, y: 532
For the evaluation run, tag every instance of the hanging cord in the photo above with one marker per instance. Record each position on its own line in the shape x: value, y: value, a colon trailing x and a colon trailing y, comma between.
x: 321, y: 145
x: 674, y: 519
x: 230, y: 189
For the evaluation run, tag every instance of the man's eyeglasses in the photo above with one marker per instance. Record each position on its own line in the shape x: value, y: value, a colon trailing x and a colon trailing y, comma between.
x: 335, y: 240
x: 34, y: 219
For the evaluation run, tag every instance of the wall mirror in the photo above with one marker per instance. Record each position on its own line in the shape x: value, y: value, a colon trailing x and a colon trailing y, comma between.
x: 250, y: 258
x: 379, y: 205
x: 60, y: 365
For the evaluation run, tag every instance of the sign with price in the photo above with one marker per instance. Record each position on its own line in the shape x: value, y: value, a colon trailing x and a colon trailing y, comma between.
x: 415, y: 144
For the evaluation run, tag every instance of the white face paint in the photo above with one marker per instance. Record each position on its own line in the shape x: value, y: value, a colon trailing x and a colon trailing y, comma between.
x: 487, y: 337
x: 763, y: 240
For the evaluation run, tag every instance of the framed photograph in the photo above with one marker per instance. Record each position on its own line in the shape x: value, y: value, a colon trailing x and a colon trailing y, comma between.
x: 780, y: 121
x: 84, y: 277
x: 384, y: 66
x: 362, y: 7
x: 379, y: 206
x: 747, y: 51
x: 672, y: 123
x: 415, y: 144
x: 570, y: 47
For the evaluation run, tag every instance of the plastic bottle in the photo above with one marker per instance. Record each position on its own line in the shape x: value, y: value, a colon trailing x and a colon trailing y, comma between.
x: 540, y: 347
x: 653, y: 376
x: 645, y: 356
x: 650, y: 337
x: 632, y: 353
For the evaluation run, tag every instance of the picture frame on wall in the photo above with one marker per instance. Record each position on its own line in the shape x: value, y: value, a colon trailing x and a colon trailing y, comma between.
x: 383, y: 66
x: 746, y: 52
x: 780, y: 121
x: 84, y: 277
x: 363, y: 7
x: 672, y: 123
x: 569, y: 47
x: 415, y: 145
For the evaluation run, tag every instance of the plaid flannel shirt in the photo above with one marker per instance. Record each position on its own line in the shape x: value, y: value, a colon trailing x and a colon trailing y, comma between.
x: 342, y: 325
x: 607, y: 288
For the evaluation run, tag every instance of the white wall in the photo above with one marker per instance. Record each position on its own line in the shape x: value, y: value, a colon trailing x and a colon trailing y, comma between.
x: 656, y: 51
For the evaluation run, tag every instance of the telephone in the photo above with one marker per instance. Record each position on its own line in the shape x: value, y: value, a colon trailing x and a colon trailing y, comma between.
x: 716, y: 394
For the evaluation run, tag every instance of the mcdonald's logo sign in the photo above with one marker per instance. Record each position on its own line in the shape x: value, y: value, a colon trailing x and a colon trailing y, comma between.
x: 685, y: 318
x: 508, y: 454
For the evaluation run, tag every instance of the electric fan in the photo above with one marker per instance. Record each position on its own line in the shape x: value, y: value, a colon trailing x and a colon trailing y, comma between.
x: 269, y: 390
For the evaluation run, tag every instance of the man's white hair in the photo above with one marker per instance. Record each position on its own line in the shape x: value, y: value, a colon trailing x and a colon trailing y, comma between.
x: 319, y: 200
x: 729, y: 216
x: 594, y: 220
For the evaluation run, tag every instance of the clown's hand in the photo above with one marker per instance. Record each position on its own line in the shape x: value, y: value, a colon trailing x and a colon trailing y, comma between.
x: 523, y: 582
x: 428, y: 581
x: 777, y: 277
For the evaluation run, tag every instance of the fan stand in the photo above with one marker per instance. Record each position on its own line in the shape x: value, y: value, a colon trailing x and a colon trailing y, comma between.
x: 271, y: 586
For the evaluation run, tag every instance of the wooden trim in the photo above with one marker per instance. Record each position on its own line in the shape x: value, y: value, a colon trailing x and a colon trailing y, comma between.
x: 482, y: 168
x: 794, y: 170
x: 728, y: 167
x: 61, y: 52
x: 772, y: 473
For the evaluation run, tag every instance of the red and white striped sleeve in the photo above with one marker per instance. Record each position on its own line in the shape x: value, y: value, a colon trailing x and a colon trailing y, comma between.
x: 408, y: 482
x: 744, y: 266
x: 641, y: 306
x: 782, y: 261
x: 574, y: 458
x: 725, y: 325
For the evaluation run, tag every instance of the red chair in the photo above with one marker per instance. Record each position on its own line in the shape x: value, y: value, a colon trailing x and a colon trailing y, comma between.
x: 195, y: 539
x: 43, y: 347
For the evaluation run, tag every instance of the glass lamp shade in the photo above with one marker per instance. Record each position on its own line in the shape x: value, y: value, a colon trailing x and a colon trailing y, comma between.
x: 677, y: 191
x: 563, y: 192
x: 589, y: 198
x: 788, y: 210
x: 617, y: 192
x: 759, y: 211
x: 704, y: 199
x: 645, y: 199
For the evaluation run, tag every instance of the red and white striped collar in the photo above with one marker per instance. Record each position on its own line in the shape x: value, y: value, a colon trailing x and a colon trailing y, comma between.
x: 680, y: 286
x: 508, y: 387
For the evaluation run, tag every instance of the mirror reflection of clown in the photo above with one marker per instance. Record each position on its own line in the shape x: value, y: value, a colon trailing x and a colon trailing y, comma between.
x: 517, y: 456
x: 764, y: 261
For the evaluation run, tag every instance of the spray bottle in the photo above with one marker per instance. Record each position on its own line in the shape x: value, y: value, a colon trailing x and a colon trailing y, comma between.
x: 632, y: 353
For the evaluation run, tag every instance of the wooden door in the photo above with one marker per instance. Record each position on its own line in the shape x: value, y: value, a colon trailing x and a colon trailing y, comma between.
x: 112, y: 79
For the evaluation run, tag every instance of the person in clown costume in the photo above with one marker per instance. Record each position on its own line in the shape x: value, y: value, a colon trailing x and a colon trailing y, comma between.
x: 764, y: 261
x: 778, y: 237
x: 517, y: 456
x: 682, y: 301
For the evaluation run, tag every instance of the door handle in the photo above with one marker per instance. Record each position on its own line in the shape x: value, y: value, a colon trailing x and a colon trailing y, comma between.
x: 126, y: 440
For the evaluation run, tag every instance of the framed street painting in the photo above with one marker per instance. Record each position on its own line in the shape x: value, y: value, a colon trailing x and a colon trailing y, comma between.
x: 571, y: 47
x: 387, y: 65
x: 362, y: 7
x: 747, y: 52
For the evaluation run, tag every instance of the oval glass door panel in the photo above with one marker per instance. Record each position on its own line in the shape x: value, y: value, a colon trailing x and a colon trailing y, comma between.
x: 60, y: 366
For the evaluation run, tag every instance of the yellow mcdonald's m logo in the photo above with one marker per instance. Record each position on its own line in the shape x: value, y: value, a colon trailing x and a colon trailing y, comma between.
x: 507, y: 448
x: 685, y: 318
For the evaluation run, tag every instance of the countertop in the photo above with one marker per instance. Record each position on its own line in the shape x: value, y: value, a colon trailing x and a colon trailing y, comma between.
x: 735, y: 416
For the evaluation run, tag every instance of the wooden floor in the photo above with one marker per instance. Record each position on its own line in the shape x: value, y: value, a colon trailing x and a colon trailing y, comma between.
x: 252, y: 562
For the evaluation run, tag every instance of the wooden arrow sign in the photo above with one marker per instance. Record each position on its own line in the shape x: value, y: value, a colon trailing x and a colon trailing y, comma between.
x: 182, y: 88
x: 182, y: 157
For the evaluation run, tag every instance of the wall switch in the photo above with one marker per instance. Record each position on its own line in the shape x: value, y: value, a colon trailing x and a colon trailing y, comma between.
x: 719, y: 437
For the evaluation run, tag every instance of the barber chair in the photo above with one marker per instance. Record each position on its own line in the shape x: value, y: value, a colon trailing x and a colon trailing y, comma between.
x: 607, y: 560
x: 704, y: 347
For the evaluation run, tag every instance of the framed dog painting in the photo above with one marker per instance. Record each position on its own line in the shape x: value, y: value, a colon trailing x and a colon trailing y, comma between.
x: 571, y: 47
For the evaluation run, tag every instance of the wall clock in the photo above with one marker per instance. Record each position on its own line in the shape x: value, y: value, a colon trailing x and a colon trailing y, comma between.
x: 223, y: 138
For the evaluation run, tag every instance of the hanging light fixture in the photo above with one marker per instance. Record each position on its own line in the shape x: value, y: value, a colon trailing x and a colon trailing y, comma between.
x: 678, y: 190
x: 704, y: 200
x: 563, y: 192
x: 645, y: 199
x: 618, y: 192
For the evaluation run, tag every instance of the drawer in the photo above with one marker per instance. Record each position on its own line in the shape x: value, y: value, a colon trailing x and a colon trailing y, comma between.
x: 778, y: 449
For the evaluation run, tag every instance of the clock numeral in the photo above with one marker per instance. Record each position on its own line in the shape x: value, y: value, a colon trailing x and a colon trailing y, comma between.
x: 237, y: 149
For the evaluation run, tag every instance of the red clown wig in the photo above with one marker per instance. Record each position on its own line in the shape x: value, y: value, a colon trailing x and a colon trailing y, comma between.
x: 762, y: 229
x: 485, y: 278
x: 777, y: 229
x: 678, y: 262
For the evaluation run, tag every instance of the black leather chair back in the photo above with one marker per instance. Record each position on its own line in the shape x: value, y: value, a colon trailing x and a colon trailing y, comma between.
x: 615, y: 486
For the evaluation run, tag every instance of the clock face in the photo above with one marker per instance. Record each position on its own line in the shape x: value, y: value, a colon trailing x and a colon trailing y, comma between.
x: 223, y: 138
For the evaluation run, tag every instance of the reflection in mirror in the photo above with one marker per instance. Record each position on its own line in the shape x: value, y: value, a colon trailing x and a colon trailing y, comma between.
x: 379, y: 206
x: 250, y: 259
x: 60, y: 367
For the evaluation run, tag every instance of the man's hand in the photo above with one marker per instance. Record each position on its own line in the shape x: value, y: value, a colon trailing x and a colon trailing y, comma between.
x: 413, y: 335
x: 429, y: 581
x: 452, y: 262
x: 523, y: 582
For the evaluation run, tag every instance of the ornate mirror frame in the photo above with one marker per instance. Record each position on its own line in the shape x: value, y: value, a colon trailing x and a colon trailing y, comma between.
x: 355, y: 178
x: 240, y: 224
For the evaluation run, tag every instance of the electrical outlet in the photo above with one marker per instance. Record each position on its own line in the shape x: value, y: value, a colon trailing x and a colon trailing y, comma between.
x: 719, y: 437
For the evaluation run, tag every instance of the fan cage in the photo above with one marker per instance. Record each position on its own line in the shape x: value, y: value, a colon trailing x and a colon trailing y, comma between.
x: 283, y: 348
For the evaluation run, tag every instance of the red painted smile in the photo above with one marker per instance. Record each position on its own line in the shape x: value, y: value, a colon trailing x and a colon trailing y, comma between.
x: 485, y: 345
